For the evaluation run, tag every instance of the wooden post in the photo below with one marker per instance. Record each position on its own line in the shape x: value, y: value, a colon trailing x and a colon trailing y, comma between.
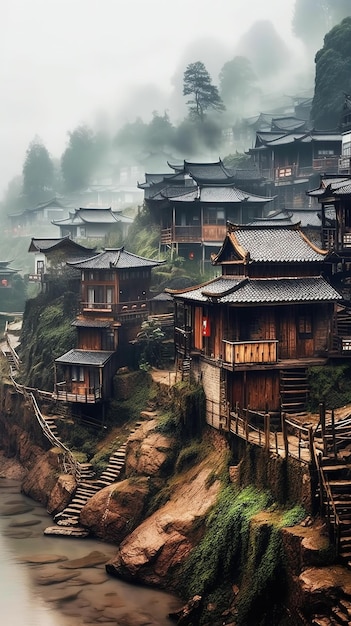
x: 267, y: 431
x: 333, y: 431
x: 285, y: 436
x: 311, y: 444
x: 247, y: 424
x: 322, y: 421
x: 276, y: 441
x: 299, y: 444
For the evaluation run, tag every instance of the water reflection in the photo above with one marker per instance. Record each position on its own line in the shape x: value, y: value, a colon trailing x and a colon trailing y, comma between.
x: 53, y: 581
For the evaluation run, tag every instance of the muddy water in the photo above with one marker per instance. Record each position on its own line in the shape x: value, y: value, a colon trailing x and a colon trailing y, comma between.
x: 54, y: 581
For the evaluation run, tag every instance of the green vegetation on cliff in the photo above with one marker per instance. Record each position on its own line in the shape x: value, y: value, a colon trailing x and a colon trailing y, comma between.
x: 46, y: 334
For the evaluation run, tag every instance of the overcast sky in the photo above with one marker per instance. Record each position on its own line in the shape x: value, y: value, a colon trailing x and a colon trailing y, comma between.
x: 67, y: 62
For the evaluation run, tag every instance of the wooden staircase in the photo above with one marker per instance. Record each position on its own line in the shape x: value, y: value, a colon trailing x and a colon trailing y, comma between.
x: 184, y: 367
x: 293, y: 390
x: 335, y: 485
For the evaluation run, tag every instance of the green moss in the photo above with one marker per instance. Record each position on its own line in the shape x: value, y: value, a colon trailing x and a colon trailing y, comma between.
x: 217, y: 556
x: 329, y: 384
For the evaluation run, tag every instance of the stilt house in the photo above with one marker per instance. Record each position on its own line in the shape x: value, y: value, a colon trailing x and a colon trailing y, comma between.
x: 115, y: 286
x: 250, y: 334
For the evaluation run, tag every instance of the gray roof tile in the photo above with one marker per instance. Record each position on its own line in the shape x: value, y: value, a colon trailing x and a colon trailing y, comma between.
x: 276, y: 245
x: 268, y: 290
x: 115, y: 258
x: 96, y: 358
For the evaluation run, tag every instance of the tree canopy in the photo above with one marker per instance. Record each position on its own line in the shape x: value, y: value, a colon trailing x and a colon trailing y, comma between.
x: 204, y: 95
x: 81, y: 157
x: 38, y: 173
x: 237, y: 82
x: 333, y: 77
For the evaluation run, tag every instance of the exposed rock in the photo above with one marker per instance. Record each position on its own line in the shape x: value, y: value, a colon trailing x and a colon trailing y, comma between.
x: 41, y: 559
x: 41, y: 479
x: 189, y: 613
x: 89, y: 560
x: 48, y: 576
x: 116, y: 510
x: 15, y: 509
x: 164, y: 539
x: 61, y: 494
x: 148, y: 452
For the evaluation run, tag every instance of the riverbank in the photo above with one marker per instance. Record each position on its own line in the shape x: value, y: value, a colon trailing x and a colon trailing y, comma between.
x: 50, y: 581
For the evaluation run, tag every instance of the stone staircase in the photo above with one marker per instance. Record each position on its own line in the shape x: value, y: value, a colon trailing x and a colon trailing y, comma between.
x: 88, y: 486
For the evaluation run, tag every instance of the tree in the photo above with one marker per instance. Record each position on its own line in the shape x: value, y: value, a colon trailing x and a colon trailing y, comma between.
x: 38, y: 173
x: 81, y: 158
x: 197, y: 83
x: 237, y: 82
x: 333, y: 77
x: 160, y: 132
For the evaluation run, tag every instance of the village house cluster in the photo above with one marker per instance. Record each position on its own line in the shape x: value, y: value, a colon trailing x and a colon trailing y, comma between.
x: 278, y: 235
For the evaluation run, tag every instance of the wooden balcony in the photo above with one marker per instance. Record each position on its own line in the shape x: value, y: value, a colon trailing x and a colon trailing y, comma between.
x: 122, y: 310
x: 181, y: 234
x: 246, y: 352
x: 344, y: 165
x: 66, y: 393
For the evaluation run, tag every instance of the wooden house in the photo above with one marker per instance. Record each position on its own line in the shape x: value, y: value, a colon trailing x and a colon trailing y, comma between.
x: 292, y: 161
x: 51, y: 256
x: 93, y: 223
x: 6, y: 274
x: 115, y: 290
x: 250, y: 334
x: 38, y: 217
x: 193, y: 206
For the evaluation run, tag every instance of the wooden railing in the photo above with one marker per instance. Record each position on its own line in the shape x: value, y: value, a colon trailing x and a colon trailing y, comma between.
x: 292, y: 440
x: 240, y: 352
x: 120, y: 310
x: 65, y: 391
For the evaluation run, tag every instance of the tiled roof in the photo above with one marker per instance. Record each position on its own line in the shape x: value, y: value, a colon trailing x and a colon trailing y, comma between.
x: 115, y: 258
x: 45, y: 245
x: 91, y: 323
x: 220, y: 193
x: 96, y: 358
x: 215, y: 171
x: 328, y: 185
x: 269, y: 290
x: 275, y: 244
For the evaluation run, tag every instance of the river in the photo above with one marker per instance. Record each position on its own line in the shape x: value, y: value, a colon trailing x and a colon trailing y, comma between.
x: 61, y: 581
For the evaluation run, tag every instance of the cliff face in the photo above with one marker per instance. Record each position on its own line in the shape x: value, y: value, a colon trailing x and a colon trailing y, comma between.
x: 157, y: 515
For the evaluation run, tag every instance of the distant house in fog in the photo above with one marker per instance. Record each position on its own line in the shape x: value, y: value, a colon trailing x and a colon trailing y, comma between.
x: 51, y: 256
x: 6, y: 274
x: 93, y: 223
x: 39, y: 217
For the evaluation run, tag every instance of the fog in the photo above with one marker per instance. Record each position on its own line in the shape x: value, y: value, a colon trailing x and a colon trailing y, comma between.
x: 104, y: 63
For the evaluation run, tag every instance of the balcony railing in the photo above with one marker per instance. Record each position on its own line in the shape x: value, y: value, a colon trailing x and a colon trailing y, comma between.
x: 120, y: 310
x: 244, y: 352
x: 344, y: 165
x: 181, y: 234
x: 67, y: 393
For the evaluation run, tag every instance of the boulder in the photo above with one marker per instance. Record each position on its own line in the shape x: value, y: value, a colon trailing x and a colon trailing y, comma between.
x: 116, y: 510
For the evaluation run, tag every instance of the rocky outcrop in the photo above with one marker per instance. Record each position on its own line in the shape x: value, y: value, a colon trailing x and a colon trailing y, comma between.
x: 162, y: 541
x: 149, y: 453
x: 116, y: 510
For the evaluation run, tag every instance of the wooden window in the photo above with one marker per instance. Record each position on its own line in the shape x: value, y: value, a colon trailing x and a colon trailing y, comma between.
x: 305, y: 326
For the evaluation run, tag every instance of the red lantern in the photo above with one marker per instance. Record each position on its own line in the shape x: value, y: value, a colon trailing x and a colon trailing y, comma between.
x: 206, y: 327
x: 4, y: 282
x: 191, y: 256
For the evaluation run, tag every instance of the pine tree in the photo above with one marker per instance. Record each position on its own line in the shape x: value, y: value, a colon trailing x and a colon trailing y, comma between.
x: 205, y: 95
